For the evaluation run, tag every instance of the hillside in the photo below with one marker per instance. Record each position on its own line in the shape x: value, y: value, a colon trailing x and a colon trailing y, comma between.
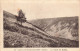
x: 64, y: 27
x: 29, y: 35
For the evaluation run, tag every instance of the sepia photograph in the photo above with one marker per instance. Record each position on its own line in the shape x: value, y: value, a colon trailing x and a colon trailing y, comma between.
x: 48, y: 32
x: 44, y: 24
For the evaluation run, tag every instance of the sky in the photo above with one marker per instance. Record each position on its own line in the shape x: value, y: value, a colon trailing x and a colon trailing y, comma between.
x: 39, y: 9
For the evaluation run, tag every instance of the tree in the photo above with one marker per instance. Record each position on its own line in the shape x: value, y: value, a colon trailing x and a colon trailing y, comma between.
x: 21, y: 17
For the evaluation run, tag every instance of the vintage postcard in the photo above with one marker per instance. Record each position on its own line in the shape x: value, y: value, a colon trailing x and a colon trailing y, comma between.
x: 39, y: 25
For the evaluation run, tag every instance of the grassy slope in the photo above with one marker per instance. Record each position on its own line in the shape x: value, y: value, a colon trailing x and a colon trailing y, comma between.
x: 16, y: 35
x: 20, y: 36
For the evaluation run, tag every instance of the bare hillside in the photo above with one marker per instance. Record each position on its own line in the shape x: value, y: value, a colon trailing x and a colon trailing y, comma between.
x: 64, y: 27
